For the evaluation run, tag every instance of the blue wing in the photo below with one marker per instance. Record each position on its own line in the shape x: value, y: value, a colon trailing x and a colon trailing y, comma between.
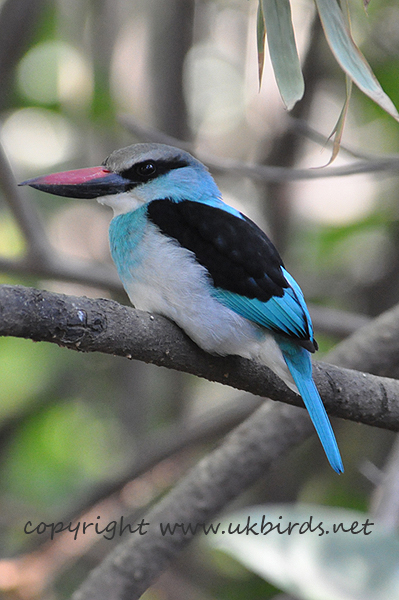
x: 286, y: 314
x: 289, y: 315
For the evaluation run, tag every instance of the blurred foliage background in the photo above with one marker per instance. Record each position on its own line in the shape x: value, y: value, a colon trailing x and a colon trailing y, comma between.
x: 80, y: 79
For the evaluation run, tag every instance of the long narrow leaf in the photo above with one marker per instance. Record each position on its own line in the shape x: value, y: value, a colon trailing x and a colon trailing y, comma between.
x: 260, y: 36
x: 283, y: 51
x: 339, y: 126
x: 349, y: 56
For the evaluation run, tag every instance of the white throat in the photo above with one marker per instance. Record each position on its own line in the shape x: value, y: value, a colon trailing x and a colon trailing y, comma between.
x: 122, y: 203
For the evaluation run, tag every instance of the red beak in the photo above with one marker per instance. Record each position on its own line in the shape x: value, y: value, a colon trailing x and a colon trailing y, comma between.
x: 92, y: 182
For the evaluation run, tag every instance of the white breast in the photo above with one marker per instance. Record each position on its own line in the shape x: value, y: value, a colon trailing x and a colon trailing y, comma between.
x: 170, y: 282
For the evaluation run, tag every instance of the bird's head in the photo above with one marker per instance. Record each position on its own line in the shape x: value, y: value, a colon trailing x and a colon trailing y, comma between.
x: 133, y: 176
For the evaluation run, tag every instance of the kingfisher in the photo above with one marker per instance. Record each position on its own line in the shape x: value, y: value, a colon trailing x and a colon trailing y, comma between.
x: 183, y: 253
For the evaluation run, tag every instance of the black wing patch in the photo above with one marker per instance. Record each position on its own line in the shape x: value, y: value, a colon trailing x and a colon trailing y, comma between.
x: 238, y: 255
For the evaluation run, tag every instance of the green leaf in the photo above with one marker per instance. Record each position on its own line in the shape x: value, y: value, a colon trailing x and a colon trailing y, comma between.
x: 349, y: 56
x: 283, y: 52
x: 305, y: 555
x: 260, y: 38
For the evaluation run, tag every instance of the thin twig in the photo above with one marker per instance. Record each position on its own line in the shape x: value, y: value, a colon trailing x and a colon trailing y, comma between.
x: 303, y: 127
x: 25, y: 214
x: 387, y: 164
x: 68, y: 269
x: 332, y: 321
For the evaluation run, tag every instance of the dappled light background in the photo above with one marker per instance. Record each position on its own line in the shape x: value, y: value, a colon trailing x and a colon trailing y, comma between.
x: 88, y: 78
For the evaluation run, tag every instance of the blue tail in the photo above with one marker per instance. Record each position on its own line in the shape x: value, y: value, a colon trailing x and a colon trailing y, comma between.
x: 300, y: 366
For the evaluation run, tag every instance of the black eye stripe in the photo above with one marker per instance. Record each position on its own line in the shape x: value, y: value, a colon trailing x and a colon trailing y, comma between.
x: 149, y: 169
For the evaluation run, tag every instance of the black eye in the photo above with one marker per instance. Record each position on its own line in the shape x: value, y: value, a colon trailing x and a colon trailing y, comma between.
x: 146, y: 169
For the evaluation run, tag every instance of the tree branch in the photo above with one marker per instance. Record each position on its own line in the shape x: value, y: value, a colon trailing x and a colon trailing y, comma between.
x: 243, y: 458
x: 98, y: 325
